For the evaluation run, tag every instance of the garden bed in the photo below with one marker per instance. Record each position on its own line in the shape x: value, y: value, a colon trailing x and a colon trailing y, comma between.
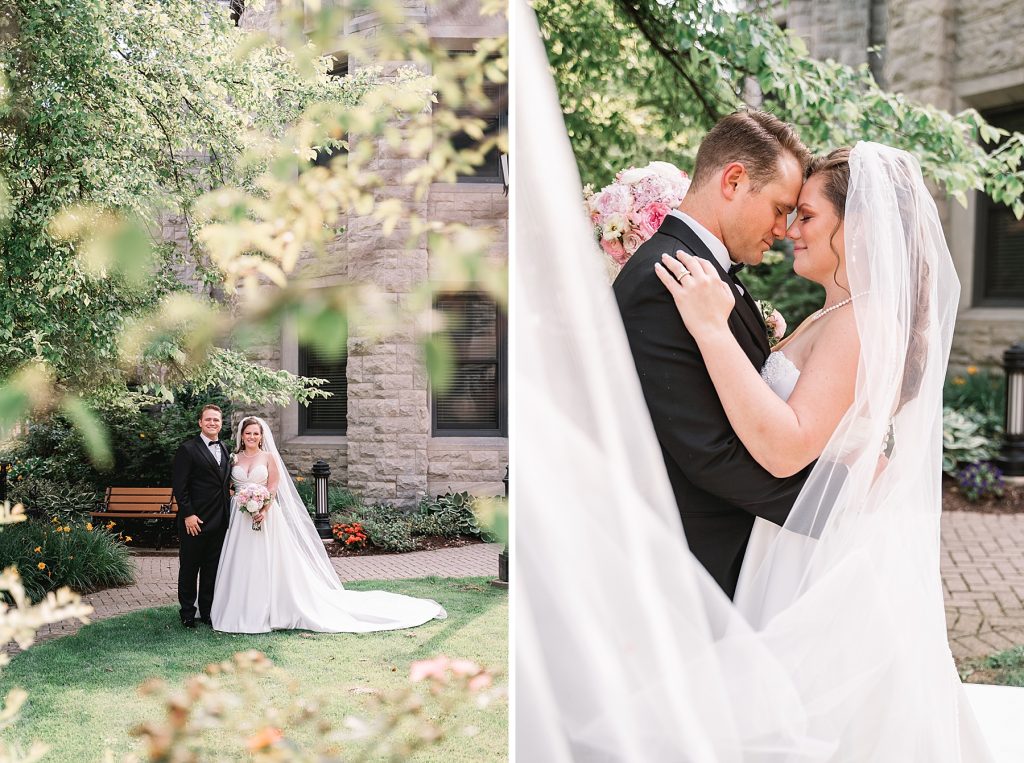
x: 423, y: 543
x: 1012, y: 501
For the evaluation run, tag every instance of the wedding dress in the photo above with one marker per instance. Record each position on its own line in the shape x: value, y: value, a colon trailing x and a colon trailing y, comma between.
x: 626, y: 650
x: 280, y: 577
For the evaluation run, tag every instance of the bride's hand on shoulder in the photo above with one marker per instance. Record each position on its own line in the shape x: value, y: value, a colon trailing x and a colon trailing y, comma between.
x: 703, y: 299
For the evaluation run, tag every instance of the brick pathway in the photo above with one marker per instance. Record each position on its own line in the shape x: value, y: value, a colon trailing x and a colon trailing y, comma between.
x: 983, y: 577
x: 157, y: 578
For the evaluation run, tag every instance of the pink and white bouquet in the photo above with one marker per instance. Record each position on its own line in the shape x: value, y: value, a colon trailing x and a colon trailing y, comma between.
x: 773, y: 321
x: 630, y: 210
x: 252, y: 499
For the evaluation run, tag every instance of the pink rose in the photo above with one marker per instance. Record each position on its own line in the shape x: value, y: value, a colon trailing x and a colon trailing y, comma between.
x: 777, y: 324
x: 653, y: 215
x: 614, y: 249
x: 633, y: 240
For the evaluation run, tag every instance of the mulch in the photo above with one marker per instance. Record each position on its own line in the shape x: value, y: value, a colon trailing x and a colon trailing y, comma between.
x: 1012, y: 501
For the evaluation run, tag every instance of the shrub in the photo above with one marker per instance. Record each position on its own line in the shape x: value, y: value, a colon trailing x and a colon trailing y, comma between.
x: 50, y: 555
x: 46, y: 499
x: 964, y: 440
x: 340, y: 500
x: 453, y: 514
x: 387, y: 527
x: 979, y: 481
x: 143, y: 443
x: 981, y: 391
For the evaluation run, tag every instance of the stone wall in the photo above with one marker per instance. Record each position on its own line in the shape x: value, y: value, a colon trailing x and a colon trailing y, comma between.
x: 952, y: 54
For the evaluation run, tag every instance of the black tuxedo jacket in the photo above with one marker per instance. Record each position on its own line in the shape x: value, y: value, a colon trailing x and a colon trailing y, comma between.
x: 200, y: 485
x: 719, y: 487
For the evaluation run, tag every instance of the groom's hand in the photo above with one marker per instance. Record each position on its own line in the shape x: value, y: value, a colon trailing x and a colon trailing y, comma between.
x: 192, y: 525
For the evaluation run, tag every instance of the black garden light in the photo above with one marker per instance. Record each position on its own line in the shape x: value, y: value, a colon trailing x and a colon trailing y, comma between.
x: 322, y: 521
x: 1011, y: 456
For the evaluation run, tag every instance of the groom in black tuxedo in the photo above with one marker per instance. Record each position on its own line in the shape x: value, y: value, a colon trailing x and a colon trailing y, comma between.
x: 201, y: 478
x: 746, y: 180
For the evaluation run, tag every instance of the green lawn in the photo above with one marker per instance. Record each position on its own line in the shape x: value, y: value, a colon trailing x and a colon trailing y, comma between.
x: 82, y: 688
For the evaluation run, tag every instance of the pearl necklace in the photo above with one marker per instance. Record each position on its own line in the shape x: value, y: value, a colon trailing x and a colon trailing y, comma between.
x: 826, y: 310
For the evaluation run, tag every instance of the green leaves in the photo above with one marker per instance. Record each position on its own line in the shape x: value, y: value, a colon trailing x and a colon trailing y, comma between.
x: 97, y: 442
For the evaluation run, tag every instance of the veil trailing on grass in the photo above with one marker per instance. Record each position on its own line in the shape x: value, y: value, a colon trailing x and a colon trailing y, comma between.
x: 626, y: 649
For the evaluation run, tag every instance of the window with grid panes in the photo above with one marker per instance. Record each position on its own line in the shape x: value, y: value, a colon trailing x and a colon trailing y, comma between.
x: 476, y: 401
x: 324, y: 415
x: 999, y: 247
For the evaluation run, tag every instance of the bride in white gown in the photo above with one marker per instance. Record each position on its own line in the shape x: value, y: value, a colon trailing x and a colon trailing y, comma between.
x: 280, y: 577
x: 626, y: 650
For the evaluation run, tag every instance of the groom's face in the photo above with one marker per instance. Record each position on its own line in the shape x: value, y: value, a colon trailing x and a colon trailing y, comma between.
x: 210, y: 423
x: 755, y: 218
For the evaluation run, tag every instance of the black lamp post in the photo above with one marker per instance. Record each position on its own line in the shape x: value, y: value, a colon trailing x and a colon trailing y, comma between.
x: 322, y: 521
x: 503, y: 556
x: 4, y: 468
x: 1011, y: 456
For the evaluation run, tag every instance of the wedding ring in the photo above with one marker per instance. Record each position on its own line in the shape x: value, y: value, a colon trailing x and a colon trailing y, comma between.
x: 683, y: 275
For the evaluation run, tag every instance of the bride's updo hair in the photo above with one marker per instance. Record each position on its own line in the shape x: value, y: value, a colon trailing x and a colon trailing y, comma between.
x: 834, y: 169
x: 248, y: 421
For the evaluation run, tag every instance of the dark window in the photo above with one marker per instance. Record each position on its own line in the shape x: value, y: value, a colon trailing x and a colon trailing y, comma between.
x: 476, y: 402
x: 324, y: 415
x: 999, y: 251
x: 324, y: 157
x: 495, y: 115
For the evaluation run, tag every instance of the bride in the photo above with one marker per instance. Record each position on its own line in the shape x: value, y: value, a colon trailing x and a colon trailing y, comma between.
x: 835, y: 649
x: 274, y: 573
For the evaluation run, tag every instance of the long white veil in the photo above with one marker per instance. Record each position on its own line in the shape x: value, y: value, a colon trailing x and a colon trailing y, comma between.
x: 294, y: 514
x: 626, y: 649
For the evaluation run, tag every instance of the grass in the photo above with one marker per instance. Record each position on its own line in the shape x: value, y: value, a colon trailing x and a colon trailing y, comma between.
x: 1004, y: 668
x: 82, y: 688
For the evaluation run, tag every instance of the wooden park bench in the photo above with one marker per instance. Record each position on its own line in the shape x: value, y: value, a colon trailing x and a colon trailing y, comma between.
x: 139, y: 503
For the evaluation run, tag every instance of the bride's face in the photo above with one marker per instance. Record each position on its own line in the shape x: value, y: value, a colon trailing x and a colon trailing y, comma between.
x: 252, y: 436
x: 817, y: 234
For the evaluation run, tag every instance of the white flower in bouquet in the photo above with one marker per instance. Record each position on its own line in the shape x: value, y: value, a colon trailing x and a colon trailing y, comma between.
x: 629, y: 211
x: 252, y: 499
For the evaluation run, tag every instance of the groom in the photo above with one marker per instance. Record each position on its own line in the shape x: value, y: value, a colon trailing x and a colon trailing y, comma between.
x: 746, y: 181
x: 200, y: 478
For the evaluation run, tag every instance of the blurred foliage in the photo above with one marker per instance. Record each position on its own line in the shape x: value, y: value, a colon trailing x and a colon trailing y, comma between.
x: 643, y: 80
x: 116, y: 115
x: 20, y: 620
x: 774, y: 280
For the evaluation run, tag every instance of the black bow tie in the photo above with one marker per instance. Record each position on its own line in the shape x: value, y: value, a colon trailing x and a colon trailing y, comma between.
x: 211, y: 443
x: 735, y: 268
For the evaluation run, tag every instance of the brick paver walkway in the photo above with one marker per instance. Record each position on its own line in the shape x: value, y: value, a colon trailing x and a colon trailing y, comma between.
x: 983, y: 578
x: 157, y: 578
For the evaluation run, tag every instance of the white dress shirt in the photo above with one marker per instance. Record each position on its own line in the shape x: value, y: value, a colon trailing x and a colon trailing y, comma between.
x: 711, y: 241
x: 215, y: 451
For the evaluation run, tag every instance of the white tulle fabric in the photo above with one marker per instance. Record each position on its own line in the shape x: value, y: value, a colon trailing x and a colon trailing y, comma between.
x: 626, y: 650
x: 280, y: 578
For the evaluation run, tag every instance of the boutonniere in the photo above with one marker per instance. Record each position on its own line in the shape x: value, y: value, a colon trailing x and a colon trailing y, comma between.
x: 773, y: 321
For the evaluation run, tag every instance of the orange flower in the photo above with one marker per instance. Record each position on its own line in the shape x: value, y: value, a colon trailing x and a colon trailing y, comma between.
x: 972, y: 370
x: 959, y: 381
x: 264, y: 739
x: 128, y: 539
x: 39, y: 549
x: 88, y: 526
x: 41, y: 566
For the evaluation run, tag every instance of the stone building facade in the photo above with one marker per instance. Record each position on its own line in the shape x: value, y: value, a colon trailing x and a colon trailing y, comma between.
x: 382, y: 434
x: 954, y: 54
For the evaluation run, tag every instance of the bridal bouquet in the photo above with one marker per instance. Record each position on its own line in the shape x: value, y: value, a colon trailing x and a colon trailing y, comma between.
x: 252, y: 499
x: 630, y: 210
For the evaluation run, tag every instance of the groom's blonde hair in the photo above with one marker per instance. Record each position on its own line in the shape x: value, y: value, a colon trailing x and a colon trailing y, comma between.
x: 755, y: 139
